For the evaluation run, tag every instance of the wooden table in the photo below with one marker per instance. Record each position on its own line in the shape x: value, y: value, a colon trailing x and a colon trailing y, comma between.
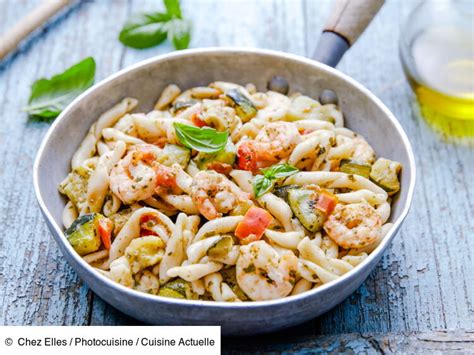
x: 420, y: 295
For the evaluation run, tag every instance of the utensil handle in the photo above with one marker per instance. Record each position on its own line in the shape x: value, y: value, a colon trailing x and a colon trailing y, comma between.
x: 347, y: 21
x: 28, y: 24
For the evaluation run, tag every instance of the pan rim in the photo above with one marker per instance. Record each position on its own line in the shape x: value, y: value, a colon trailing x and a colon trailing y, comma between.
x: 58, y: 232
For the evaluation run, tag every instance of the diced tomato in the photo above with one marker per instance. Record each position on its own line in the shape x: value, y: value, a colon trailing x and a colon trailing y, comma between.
x: 105, y: 227
x: 254, y: 223
x: 197, y: 121
x: 147, y: 217
x: 326, y: 203
x: 147, y: 222
x: 247, y: 156
x: 165, y: 176
x: 146, y: 232
x: 220, y: 167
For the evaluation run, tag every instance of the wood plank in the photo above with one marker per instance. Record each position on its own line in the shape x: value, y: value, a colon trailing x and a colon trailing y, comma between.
x: 425, y: 280
x: 40, y: 287
x: 422, y: 282
x: 391, y: 343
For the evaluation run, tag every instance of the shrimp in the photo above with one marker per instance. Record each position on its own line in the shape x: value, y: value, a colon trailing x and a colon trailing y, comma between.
x: 274, y: 142
x: 278, y: 138
x: 215, y: 195
x: 354, y: 226
x: 133, y: 178
x: 363, y: 152
x: 263, y: 274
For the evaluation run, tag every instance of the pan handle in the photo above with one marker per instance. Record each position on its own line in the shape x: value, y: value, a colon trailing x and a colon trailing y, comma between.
x: 348, y: 20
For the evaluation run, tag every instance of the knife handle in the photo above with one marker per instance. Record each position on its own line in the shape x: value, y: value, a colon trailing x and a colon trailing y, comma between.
x: 348, y: 20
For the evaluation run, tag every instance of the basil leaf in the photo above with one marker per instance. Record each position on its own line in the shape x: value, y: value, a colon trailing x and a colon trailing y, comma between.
x: 261, y: 185
x: 264, y: 183
x: 145, y: 30
x: 173, y: 8
x: 279, y: 171
x: 179, y: 33
x: 204, y: 139
x: 50, y: 96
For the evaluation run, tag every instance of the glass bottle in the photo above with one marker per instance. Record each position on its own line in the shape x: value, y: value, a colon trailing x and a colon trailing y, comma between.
x: 437, y: 53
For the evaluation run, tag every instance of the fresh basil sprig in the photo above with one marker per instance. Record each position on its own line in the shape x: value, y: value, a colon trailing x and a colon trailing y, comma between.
x: 146, y: 30
x: 179, y: 33
x: 50, y: 96
x: 204, y: 139
x: 264, y: 183
x: 173, y: 8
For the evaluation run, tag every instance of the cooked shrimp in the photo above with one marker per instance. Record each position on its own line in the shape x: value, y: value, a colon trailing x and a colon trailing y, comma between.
x: 215, y: 195
x: 133, y: 178
x: 274, y: 142
x: 354, y: 226
x: 263, y: 274
x: 278, y: 139
x: 363, y: 152
x: 273, y: 106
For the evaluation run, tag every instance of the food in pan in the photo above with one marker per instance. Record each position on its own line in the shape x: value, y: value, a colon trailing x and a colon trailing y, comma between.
x: 228, y: 194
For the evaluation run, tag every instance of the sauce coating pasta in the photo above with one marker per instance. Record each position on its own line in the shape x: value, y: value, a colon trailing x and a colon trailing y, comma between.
x: 226, y: 194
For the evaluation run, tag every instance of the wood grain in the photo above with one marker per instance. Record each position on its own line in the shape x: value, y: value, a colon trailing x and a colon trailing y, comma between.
x: 425, y: 281
x: 440, y: 342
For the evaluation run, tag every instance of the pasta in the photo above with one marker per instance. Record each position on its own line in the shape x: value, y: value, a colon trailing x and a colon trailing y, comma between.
x: 226, y: 194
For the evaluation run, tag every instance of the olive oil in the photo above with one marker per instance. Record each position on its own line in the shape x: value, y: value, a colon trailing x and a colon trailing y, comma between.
x: 442, y: 77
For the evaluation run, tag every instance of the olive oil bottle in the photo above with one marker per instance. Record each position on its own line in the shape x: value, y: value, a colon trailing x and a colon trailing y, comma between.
x: 438, y: 59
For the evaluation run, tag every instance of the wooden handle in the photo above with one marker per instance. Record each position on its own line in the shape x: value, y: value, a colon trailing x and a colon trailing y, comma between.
x: 350, y: 17
x: 37, y: 17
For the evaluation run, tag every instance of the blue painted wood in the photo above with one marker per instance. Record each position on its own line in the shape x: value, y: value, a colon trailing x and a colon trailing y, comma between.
x: 425, y: 280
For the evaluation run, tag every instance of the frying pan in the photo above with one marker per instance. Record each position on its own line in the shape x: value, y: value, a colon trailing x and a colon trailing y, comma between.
x: 363, y: 112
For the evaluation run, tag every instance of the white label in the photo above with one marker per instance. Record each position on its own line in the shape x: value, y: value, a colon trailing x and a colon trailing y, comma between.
x: 109, y: 340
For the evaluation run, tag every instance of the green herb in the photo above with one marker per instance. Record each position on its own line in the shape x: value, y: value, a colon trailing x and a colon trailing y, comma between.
x: 179, y: 33
x: 146, y: 30
x: 261, y: 185
x: 173, y: 8
x: 204, y: 139
x: 50, y: 96
x: 264, y: 183
x: 279, y: 171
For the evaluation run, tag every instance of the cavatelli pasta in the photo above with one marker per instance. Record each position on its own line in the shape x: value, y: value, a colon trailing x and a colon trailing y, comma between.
x: 226, y: 193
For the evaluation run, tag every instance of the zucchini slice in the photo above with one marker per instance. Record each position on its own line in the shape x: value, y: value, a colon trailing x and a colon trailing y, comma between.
x: 83, y: 234
x: 177, y: 288
x: 243, y: 106
x: 303, y: 204
x: 355, y: 168
x: 221, y: 247
x: 385, y: 174
x: 225, y: 156
x: 282, y: 191
x: 173, y: 153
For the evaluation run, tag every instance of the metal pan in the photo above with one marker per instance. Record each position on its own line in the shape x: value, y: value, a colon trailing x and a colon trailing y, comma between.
x: 363, y: 112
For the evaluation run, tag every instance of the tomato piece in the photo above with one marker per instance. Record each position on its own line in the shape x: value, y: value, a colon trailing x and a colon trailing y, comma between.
x: 326, y: 203
x: 255, y: 221
x: 197, y: 121
x: 147, y: 217
x: 147, y: 222
x: 105, y: 227
x: 165, y: 176
x: 146, y: 232
x: 247, y: 156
